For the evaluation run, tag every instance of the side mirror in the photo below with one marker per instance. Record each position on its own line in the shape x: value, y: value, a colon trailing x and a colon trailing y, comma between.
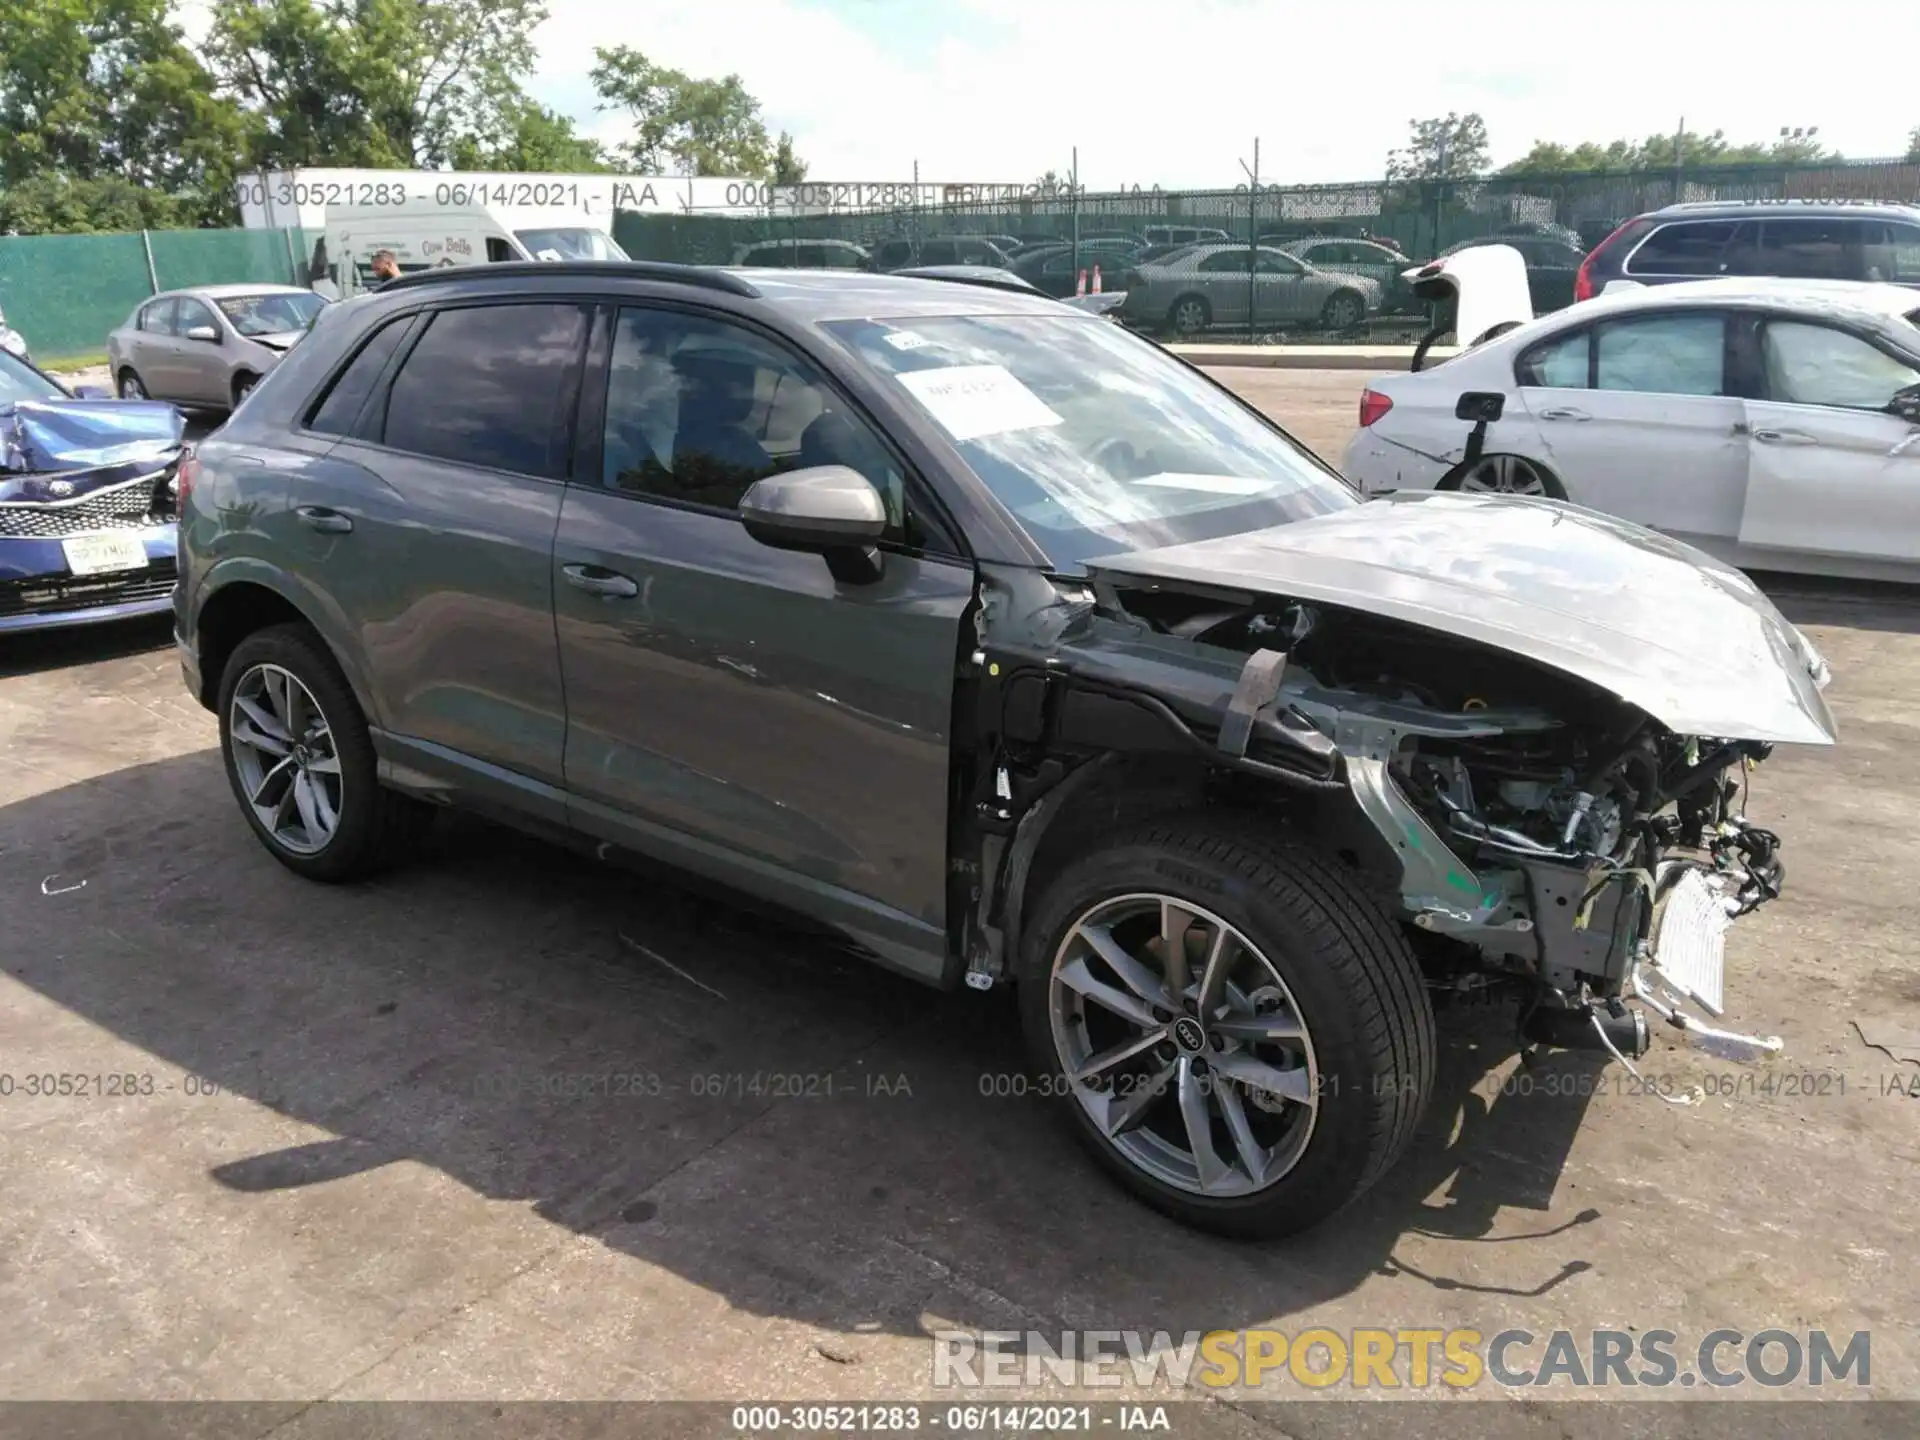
x: 1906, y: 404
x: 204, y: 332
x: 829, y: 510
x: 1482, y: 407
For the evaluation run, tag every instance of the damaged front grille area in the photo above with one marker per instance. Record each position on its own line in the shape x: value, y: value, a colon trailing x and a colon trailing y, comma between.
x: 47, y: 596
x: 130, y: 505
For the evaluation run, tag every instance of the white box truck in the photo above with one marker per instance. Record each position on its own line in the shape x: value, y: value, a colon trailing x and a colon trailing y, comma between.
x: 423, y: 236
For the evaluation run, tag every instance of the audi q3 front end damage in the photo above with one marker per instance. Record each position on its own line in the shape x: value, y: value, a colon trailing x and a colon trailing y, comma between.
x: 1529, y: 728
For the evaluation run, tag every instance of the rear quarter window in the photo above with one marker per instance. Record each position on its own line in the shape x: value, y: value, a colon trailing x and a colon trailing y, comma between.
x: 341, y: 403
x: 1694, y: 247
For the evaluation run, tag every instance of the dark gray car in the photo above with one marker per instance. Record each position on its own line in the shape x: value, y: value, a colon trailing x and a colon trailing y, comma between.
x: 1003, y: 643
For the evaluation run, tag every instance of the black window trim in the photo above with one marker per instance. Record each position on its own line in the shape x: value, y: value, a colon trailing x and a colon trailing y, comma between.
x: 591, y: 436
x: 1588, y: 329
x: 560, y: 443
x: 1733, y: 232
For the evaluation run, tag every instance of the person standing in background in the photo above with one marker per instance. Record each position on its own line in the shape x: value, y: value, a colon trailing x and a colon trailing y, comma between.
x: 385, y: 267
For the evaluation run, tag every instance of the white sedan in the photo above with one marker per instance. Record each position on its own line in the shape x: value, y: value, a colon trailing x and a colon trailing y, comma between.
x: 1774, y: 423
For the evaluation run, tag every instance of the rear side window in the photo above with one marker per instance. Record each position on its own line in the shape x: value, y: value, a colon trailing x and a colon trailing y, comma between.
x: 1892, y: 253
x: 1694, y: 248
x: 1813, y: 248
x: 491, y: 385
x: 341, y: 407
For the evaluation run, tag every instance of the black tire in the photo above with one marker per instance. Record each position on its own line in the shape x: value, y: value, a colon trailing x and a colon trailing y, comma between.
x: 1344, y: 310
x: 376, y: 825
x: 129, y: 375
x: 243, y: 386
x: 1198, y: 304
x: 1358, y: 987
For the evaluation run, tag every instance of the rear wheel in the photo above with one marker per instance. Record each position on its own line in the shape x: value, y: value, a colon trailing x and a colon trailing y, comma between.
x: 130, y: 386
x: 1505, y: 475
x: 1189, y: 315
x: 1231, y: 1026
x: 301, y: 762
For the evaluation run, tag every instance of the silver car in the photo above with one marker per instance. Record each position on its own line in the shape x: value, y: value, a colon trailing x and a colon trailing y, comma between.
x: 1209, y: 285
x: 210, y: 345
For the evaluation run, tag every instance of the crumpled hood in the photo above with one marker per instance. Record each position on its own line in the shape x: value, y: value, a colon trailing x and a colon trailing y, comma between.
x: 279, y: 339
x: 116, y: 438
x: 1665, y: 627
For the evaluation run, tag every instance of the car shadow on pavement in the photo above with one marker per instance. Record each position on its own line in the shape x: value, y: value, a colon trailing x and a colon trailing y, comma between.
x: 738, y: 1104
x: 1856, y: 604
x: 42, y: 651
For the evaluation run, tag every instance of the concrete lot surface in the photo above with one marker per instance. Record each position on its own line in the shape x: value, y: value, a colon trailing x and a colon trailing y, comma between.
x: 349, y: 1158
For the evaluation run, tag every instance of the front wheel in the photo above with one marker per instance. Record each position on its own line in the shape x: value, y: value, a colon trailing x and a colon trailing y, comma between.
x: 1231, y: 1025
x: 1189, y: 315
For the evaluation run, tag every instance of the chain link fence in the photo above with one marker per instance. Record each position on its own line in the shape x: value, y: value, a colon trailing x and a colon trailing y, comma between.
x: 1372, y: 229
x: 65, y: 292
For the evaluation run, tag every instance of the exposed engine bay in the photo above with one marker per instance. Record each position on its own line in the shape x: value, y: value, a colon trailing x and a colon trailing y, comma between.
x: 1536, y: 831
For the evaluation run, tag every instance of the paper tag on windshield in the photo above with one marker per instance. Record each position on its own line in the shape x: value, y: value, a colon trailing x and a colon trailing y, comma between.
x: 905, y: 339
x: 976, y: 400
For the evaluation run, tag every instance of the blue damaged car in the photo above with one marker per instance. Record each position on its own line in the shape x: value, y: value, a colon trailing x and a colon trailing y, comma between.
x: 87, y: 496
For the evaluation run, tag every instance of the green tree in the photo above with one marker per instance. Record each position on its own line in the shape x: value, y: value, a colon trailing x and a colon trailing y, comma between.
x: 788, y: 168
x: 374, y: 82
x: 107, y: 90
x: 688, y: 125
x: 1448, y: 147
x: 54, y: 204
x: 532, y: 138
x: 1657, y: 152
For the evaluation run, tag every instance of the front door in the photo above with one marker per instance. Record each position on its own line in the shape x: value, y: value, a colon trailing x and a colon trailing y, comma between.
x: 1832, y: 472
x: 1637, y: 417
x: 428, y: 532
x: 733, y: 708
x: 197, y: 369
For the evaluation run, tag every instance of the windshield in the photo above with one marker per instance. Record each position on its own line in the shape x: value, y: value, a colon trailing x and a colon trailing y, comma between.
x: 570, y: 243
x: 1097, y: 441
x: 272, y: 313
x: 20, y: 381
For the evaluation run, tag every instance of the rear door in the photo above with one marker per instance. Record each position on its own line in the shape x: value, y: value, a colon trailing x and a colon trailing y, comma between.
x: 150, y: 340
x: 1831, y: 472
x: 1641, y: 417
x: 428, y: 533
x: 734, y: 708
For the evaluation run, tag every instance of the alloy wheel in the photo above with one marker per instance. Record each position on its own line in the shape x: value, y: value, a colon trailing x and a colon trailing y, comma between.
x: 283, y: 751
x: 131, y: 388
x: 1183, y: 1045
x: 1344, y: 312
x: 1189, y: 316
x: 1504, y: 475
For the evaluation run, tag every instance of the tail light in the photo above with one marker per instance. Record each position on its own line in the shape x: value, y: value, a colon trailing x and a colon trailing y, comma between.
x: 184, y: 475
x: 1583, y: 277
x: 1372, y: 406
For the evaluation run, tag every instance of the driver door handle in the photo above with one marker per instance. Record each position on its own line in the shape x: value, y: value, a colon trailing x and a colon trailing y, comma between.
x: 1783, y: 437
x: 1563, y: 412
x: 608, y: 584
x: 327, y: 522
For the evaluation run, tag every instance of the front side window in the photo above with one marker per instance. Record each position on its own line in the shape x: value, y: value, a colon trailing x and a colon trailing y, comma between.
x: 1225, y: 262
x: 1892, y: 254
x: 486, y: 385
x: 1095, y: 440
x: 191, y: 315
x: 699, y: 409
x: 1662, y: 354
x: 1814, y: 365
x: 1272, y: 262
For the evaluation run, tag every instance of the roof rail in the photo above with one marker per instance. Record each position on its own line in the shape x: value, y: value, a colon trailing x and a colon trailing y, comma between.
x: 708, y: 277
x: 1012, y: 283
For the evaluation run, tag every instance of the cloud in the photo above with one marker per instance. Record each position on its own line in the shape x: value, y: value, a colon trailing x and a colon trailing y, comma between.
x: 1174, y: 93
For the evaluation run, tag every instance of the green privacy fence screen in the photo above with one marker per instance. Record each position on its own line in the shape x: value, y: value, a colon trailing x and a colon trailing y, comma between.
x: 65, y: 292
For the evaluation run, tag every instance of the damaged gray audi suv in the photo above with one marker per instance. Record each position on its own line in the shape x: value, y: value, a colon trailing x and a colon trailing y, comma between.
x: 1015, y: 651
